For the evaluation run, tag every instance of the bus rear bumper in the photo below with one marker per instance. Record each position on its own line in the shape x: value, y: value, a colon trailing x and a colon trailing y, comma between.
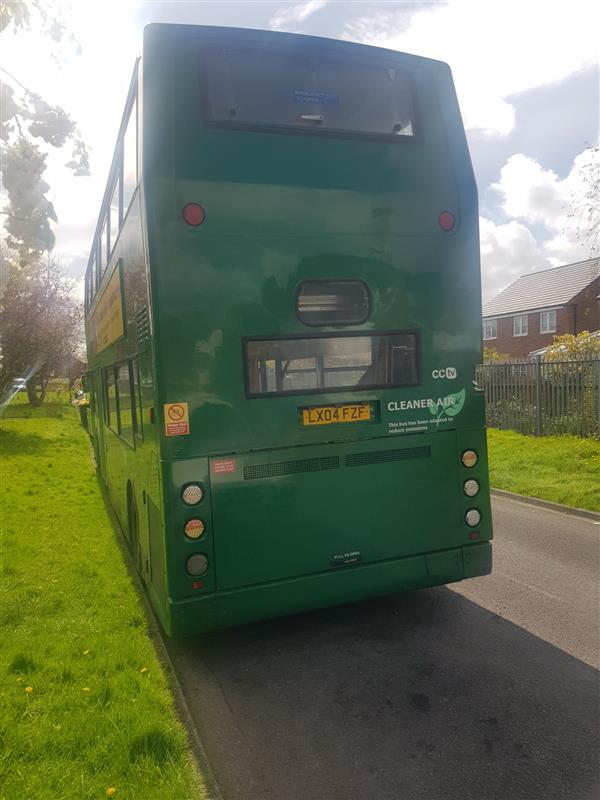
x: 344, y: 585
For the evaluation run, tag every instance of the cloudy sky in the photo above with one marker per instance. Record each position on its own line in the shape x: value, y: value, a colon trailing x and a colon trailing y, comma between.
x: 526, y: 73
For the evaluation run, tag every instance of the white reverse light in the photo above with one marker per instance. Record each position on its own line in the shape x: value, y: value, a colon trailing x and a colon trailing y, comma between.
x: 472, y: 517
x: 471, y: 487
x: 192, y: 494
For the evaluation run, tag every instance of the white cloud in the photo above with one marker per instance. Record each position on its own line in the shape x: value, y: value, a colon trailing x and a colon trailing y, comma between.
x: 287, y: 19
x: 539, y: 196
x: 532, y: 196
x: 532, y: 193
x: 495, y: 48
x: 507, y: 251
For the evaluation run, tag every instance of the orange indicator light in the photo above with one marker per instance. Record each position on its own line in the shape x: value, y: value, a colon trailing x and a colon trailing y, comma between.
x: 194, y: 528
x: 469, y: 458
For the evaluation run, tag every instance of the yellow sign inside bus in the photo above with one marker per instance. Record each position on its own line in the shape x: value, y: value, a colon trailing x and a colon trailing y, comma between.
x: 107, y: 320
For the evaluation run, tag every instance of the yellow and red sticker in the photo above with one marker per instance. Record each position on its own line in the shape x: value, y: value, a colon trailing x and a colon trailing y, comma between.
x: 177, y: 421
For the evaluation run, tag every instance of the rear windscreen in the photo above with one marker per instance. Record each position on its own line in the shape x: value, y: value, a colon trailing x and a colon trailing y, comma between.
x: 268, y: 86
x: 330, y: 363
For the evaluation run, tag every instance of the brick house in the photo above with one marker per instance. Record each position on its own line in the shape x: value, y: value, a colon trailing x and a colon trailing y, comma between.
x: 527, y: 315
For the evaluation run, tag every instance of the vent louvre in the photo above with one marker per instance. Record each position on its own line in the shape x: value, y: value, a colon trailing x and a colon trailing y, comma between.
x: 253, y: 471
x: 385, y: 456
x: 143, y: 326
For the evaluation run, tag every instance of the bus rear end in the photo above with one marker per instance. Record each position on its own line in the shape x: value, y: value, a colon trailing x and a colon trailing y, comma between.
x: 311, y: 220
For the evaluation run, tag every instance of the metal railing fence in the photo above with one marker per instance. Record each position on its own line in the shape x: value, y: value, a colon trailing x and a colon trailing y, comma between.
x: 543, y: 398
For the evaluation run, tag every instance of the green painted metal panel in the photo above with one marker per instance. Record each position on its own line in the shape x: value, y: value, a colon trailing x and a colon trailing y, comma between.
x: 315, y: 591
x: 477, y: 560
x: 355, y: 503
x: 282, y: 523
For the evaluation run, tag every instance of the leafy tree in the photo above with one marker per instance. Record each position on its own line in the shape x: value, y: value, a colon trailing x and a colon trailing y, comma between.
x: 28, y: 124
x: 575, y: 380
x: 492, y: 356
x: 569, y: 347
x: 42, y: 14
x: 584, y: 209
x: 40, y: 320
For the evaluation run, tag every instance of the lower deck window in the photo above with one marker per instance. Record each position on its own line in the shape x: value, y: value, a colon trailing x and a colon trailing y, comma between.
x: 110, y: 393
x: 121, y: 400
x: 126, y: 403
x: 330, y: 363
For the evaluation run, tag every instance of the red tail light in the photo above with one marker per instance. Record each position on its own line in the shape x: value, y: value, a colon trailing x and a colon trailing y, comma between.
x: 446, y: 220
x: 194, y: 214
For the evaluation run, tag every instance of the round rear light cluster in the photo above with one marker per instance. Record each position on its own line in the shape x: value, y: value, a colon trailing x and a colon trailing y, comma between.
x: 471, y: 487
x: 197, y: 564
x: 446, y: 220
x: 472, y: 517
x: 192, y: 494
x: 194, y: 214
x: 194, y: 528
x: 469, y: 458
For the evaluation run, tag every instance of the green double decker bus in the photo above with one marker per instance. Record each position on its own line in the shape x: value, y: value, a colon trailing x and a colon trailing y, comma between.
x: 283, y: 321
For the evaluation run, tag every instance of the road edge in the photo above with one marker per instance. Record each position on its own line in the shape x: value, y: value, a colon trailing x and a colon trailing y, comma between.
x: 156, y: 635
x: 536, y: 501
x: 196, y: 745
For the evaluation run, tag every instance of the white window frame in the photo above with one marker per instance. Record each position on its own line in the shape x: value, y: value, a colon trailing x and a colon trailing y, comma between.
x: 545, y: 324
x: 520, y: 328
x: 487, y: 322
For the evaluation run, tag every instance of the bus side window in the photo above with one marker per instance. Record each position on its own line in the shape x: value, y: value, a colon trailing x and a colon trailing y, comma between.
x: 103, y: 248
x: 110, y: 394
x: 126, y: 402
x: 137, y: 398
x: 130, y: 159
x: 115, y: 212
x: 95, y: 276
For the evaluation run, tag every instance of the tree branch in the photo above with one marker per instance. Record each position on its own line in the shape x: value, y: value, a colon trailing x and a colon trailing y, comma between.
x: 16, y: 80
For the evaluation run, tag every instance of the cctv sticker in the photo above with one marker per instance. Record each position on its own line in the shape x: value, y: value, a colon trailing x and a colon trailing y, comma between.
x: 447, y: 372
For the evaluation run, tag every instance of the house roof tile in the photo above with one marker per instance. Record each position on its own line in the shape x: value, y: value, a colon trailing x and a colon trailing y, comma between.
x: 544, y: 289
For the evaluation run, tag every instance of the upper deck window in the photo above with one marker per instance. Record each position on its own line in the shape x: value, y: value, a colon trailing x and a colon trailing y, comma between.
x: 104, y: 247
x: 269, y: 86
x: 130, y: 159
x: 115, y: 214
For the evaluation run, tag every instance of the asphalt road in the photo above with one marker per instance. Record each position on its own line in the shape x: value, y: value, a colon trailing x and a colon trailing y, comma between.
x: 484, y: 690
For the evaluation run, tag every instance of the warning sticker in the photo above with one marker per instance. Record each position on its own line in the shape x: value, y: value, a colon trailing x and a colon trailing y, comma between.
x: 177, y: 421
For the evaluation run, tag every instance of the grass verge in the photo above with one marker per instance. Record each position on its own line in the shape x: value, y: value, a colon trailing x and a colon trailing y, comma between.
x: 564, y: 469
x: 87, y: 712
